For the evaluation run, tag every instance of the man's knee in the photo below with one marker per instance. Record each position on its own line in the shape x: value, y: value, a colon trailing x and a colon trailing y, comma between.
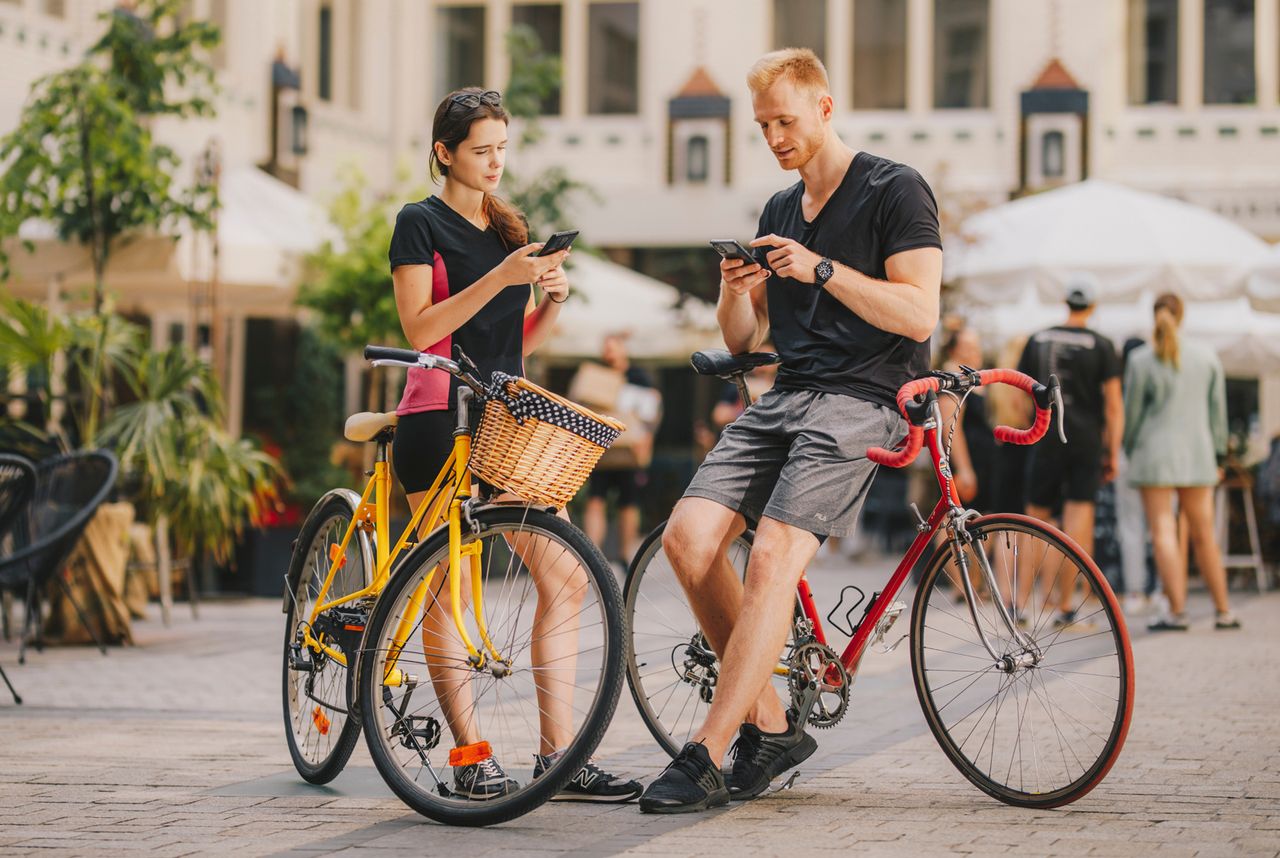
x: 693, y: 536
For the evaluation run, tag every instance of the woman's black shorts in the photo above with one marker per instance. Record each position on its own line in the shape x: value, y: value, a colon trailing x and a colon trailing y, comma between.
x: 422, y: 444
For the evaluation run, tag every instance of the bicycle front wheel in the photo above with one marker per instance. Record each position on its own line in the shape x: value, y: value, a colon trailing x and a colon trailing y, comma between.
x: 319, y: 726
x: 476, y: 741
x: 1040, y: 722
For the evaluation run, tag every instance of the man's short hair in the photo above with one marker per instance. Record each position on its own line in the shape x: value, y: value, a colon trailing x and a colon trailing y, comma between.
x: 801, y: 66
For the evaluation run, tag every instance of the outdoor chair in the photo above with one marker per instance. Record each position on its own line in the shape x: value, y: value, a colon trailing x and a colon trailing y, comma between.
x: 68, y: 491
x: 17, y: 485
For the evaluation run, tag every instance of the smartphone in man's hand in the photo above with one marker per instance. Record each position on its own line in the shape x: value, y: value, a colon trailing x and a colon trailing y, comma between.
x: 731, y: 249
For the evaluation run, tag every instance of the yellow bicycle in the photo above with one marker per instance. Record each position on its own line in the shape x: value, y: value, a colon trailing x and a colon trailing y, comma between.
x: 483, y: 665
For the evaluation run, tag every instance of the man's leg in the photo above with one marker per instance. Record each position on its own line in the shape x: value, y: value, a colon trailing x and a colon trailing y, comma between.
x: 696, y: 542
x: 778, y: 559
x: 1077, y: 522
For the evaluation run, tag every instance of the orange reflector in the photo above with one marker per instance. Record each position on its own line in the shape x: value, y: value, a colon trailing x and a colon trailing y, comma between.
x: 469, y: 755
x: 333, y: 555
x: 352, y: 628
x: 322, y: 723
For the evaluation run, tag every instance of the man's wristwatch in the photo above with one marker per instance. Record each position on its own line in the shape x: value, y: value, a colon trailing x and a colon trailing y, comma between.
x: 822, y: 272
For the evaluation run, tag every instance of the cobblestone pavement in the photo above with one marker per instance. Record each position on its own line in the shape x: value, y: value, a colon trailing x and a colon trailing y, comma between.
x: 175, y: 746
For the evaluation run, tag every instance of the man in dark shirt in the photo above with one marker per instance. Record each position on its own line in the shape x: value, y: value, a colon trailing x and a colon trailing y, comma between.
x: 1064, y: 478
x: 850, y: 292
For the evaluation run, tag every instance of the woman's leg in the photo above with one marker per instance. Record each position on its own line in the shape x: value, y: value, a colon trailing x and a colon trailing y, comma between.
x: 1197, y: 504
x: 444, y: 652
x: 1158, y: 503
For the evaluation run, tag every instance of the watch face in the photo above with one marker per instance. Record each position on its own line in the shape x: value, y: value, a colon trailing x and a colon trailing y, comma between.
x: 823, y: 271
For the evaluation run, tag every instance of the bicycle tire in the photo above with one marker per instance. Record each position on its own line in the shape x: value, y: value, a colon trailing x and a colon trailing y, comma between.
x: 383, y: 724
x: 643, y: 682
x: 309, y: 717
x: 1075, y: 704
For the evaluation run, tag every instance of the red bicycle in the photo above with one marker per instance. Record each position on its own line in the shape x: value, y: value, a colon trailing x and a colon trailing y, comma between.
x: 1032, y: 706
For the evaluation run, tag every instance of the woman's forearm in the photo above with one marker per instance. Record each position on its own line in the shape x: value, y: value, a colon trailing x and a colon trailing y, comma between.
x: 539, y: 325
x: 426, y: 325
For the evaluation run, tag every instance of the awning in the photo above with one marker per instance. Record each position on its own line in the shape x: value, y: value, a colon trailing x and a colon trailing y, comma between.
x: 1264, y: 283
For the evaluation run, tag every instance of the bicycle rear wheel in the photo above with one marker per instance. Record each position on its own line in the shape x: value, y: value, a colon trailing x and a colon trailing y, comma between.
x: 553, y: 614
x: 671, y: 668
x: 319, y: 726
x: 1041, y: 723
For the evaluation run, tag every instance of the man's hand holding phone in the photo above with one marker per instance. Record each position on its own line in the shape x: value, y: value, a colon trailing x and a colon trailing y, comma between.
x: 738, y: 268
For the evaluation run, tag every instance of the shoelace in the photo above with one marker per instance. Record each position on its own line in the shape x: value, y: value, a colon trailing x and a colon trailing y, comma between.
x: 746, y: 745
x: 490, y: 769
x: 685, y: 763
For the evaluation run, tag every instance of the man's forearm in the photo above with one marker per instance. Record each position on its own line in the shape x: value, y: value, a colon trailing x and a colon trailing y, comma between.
x: 899, y: 308
x: 738, y: 321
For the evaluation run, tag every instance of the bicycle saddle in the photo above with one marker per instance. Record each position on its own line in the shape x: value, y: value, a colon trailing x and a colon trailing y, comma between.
x: 720, y: 362
x: 366, y: 425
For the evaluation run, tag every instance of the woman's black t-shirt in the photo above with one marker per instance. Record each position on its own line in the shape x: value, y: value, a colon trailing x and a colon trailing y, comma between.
x: 459, y: 253
x: 881, y: 208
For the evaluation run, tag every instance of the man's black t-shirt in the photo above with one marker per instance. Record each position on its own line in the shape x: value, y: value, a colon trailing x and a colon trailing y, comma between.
x: 459, y: 253
x: 881, y: 208
x: 1083, y: 360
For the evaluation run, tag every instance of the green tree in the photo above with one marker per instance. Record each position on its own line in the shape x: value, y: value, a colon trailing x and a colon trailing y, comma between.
x: 83, y: 157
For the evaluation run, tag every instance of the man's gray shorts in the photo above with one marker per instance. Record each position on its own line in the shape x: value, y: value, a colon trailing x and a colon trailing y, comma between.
x: 800, y: 457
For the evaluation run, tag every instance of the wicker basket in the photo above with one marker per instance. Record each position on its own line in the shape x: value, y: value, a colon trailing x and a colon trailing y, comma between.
x: 535, y: 458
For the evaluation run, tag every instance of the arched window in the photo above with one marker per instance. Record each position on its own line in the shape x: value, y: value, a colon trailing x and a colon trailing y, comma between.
x: 1053, y: 146
x: 697, y: 151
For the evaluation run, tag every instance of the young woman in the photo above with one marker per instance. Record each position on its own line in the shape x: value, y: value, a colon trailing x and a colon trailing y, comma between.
x: 463, y: 270
x: 1175, y: 435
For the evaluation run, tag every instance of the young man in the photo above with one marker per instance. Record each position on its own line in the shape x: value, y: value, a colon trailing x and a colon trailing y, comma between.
x: 1065, y: 477
x: 851, y: 297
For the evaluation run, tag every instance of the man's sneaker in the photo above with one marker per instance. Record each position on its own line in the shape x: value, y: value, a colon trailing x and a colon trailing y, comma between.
x: 591, y: 783
x: 759, y: 757
x: 1064, y: 620
x: 1169, y: 623
x: 482, y: 781
x: 691, y: 782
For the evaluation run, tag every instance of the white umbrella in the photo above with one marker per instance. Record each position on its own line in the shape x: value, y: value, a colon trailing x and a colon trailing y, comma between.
x: 1247, y: 340
x: 1131, y: 241
x: 1264, y: 283
x: 609, y: 298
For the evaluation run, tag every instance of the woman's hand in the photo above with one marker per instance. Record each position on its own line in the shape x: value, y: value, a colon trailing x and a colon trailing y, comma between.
x: 555, y: 285
x: 522, y: 266
x: 966, y: 482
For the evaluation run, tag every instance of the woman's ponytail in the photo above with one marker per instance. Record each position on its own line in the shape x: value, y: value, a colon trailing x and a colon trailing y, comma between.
x: 508, y: 223
x: 1168, y: 311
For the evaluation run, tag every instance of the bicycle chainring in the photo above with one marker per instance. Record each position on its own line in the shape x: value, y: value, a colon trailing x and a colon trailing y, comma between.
x: 818, y: 683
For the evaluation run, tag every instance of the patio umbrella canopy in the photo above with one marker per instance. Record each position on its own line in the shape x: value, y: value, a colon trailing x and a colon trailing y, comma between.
x: 1131, y: 241
x: 1264, y: 283
x: 610, y: 298
x: 1247, y: 340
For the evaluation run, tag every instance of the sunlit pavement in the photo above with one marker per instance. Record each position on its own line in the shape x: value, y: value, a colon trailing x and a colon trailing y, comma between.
x: 175, y: 746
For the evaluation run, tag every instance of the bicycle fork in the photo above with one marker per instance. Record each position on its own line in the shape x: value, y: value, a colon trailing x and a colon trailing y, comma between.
x: 1030, y: 653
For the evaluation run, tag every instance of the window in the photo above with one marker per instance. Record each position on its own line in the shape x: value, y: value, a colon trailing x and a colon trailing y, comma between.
x: 459, y: 49
x: 879, y: 54
x: 218, y: 17
x: 697, y: 152
x: 545, y: 19
x: 960, y: 50
x: 324, y: 80
x: 1228, y: 52
x: 1053, y: 146
x: 1153, y: 51
x: 800, y: 24
x: 353, y: 55
x: 613, y: 58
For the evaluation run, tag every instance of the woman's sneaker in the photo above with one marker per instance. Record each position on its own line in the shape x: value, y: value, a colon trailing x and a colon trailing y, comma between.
x: 689, y: 783
x: 1225, y: 621
x: 482, y: 781
x: 1169, y: 622
x: 591, y: 783
x: 759, y: 757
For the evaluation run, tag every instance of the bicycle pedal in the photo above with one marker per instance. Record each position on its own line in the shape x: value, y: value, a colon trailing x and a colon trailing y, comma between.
x: 785, y: 785
x: 886, y: 622
x: 888, y: 648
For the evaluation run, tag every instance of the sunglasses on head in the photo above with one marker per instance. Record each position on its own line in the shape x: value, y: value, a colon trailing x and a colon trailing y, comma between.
x: 471, y: 100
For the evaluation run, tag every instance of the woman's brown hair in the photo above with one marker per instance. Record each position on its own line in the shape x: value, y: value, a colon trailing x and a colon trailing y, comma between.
x: 1168, y: 310
x: 451, y: 126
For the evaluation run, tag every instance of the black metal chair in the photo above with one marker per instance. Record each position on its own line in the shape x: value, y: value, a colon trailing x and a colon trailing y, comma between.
x: 68, y: 491
x: 17, y: 485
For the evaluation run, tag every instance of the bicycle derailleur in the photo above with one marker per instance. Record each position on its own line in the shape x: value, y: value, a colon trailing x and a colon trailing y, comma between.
x: 699, y: 667
x: 819, y: 684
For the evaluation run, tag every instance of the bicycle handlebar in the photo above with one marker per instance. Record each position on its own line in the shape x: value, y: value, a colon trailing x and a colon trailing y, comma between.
x: 914, y: 394
x: 462, y: 369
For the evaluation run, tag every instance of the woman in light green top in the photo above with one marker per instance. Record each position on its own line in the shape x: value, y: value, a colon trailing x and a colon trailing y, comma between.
x: 1175, y: 435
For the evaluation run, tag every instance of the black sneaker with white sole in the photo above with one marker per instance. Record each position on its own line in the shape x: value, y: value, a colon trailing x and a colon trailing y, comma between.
x: 591, y: 783
x: 689, y: 783
x: 482, y: 781
x: 759, y: 757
